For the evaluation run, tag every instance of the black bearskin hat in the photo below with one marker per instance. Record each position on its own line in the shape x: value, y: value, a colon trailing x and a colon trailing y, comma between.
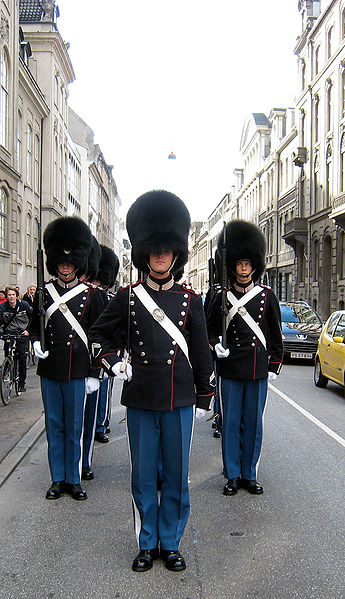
x: 67, y: 239
x: 157, y: 221
x: 243, y: 240
x: 93, y: 260
x: 108, y: 267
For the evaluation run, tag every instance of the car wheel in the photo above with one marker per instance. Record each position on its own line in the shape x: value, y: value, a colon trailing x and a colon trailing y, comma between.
x: 319, y: 379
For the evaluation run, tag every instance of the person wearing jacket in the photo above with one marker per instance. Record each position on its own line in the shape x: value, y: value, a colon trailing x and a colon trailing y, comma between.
x: 250, y: 355
x: 71, y: 307
x: 15, y: 316
x: 162, y: 325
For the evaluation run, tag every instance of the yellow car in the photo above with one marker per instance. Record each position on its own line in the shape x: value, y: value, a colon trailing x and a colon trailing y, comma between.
x: 330, y: 355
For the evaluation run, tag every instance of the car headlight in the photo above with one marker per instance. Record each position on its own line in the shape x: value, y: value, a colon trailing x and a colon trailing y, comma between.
x: 283, y: 336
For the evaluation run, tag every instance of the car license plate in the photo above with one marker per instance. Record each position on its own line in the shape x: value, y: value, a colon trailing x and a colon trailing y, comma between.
x: 305, y: 355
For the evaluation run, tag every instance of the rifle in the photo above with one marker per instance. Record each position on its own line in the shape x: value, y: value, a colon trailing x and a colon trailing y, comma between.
x: 40, y: 266
x: 224, y: 310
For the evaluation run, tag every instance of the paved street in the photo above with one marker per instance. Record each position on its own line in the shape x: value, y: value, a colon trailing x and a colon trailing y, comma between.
x: 288, y: 543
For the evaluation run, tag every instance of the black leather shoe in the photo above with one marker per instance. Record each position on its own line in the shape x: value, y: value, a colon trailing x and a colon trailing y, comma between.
x: 252, y: 486
x: 87, y: 473
x: 55, y: 491
x: 75, y: 491
x: 144, y: 560
x: 173, y: 560
x: 107, y: 430
x: 232, y: 486
x: 21, y: 389
x: 101, y: 438
x: 216, y: 433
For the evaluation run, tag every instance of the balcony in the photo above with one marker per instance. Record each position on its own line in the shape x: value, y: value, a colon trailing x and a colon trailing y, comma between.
x: 296, y: 230
x: 338, y: 210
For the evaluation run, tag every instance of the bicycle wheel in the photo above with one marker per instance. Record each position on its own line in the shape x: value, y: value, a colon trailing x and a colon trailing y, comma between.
x: 6, y: 380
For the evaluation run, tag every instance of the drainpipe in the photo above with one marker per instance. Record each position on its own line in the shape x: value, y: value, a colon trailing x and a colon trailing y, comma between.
x: 311, y: 182
x: 277, y: 223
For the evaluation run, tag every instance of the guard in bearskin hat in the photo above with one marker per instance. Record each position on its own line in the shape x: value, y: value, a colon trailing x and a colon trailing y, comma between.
x: 105, y: 281
x: 162, y: 327
x: 71, y: 307
x: 250, y: 355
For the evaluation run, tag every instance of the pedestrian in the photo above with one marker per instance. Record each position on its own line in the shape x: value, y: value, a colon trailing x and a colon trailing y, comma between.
x: 29, y: 296
x: 2, y: 296
x: 71, y: 307
x: 15, y: 316
x: 250, y: 354
x: 161, y: 325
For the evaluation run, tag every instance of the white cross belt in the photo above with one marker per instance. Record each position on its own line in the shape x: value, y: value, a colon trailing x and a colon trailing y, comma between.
x: 238, y: 308
x: 60, y: 303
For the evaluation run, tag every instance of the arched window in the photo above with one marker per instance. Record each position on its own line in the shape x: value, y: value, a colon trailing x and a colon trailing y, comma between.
x: 328, y: 174
x: 329, y: 87
x: 343, y: 90
x: 3, y: 98
x: 3, y: 220
x: 19, y: 142
x: 56, y: 151
x: 19, y: 234
x: 330, y: 41
x: 317, y: 60
x: 316, y: 116
x: 342, y: 163
x: 317, y: 191
x: 37, y: 163
x: 29, y: 154
x: 35, y: 244
x: 28, y: 238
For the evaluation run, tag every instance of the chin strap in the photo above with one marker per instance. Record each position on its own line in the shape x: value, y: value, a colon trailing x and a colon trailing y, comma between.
x: 166, y: 271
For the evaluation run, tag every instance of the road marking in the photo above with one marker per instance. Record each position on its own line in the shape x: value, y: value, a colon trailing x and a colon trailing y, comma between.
x: 312, y: 418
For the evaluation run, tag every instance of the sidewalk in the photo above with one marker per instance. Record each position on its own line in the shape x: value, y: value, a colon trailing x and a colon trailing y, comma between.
x: 21, y: 424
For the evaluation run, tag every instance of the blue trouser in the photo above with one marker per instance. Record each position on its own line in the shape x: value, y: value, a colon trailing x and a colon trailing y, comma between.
x: 90, y: 417
x: 103, y: 406
x: 149, y: 432
x: 243, y: 403
x: 64, y: 414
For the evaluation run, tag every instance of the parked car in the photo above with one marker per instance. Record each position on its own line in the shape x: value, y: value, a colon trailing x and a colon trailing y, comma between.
x: 301, y: 328
x: 330, y: 355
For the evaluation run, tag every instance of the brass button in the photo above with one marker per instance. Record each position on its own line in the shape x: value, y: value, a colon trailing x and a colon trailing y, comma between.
x: 143, y: 354
x: 180, y: 323
x: 171, y: 352
x: 183, y: 314
x: 173, y: 342
x: 184, y: 304
x: 186, y: 295
x: 132, y: 303
x: 169, y: 361
x: 145, y: 362
x: 132, y: 313
x: 141, y: 343
x: 137, y: 333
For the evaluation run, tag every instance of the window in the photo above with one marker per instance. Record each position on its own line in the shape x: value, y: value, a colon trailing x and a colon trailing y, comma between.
x: 29, y: 155
x: 317, y: 191
x: 343, y: 91
x: 3, y: 98
x: 329, y: 87
x: 302, y: 74
x: 315, y: 260
x: 317, y: 60
x: 331, y: 324
x: 316, y: 117
x: 28, y: 238
x: 339, y: 330
x: 37, y: 164
x: 19, y: 234
x: 56, y: 150
x: 35, y: 246
x: 19, y: 142
x: 342, y: 163
x: 329, y: 42
x: 3, y: 219
x: 328, y: 174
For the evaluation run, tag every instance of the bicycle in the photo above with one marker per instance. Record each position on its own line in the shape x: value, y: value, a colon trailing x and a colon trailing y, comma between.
x: 30, y: 356
x: 9, y: 374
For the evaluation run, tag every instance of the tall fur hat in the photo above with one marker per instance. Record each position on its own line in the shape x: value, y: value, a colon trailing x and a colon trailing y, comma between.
x: 243, y: 240
x: 93, y: 259
x: 108, y: 267
x: 67, y: 239
x: 158, y: 220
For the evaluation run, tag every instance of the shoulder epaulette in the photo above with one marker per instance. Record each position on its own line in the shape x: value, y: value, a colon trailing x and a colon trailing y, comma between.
x: 186, y: 287
x: 131, y: 285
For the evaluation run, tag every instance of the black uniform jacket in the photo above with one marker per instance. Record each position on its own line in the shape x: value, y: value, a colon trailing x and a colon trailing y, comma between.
x: 162, y: 378
x: 69, y: 357
x: 248, y: 359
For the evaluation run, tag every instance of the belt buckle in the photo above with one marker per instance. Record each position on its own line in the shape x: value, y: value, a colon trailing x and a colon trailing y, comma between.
x: 158, y: 314
x: 242, y: 311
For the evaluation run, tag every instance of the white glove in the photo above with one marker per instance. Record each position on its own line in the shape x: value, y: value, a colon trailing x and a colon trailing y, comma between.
x: 221, y: 351
x: 272, y: 376
x: 123, y: 371
x: 38, y: 351
x: 199, y: 413
x: 91, y: 385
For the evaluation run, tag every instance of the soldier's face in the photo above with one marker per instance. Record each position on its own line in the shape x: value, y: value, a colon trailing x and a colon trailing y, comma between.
x: 243, y: 270
x: 160, y: 263
x: 65, y: 271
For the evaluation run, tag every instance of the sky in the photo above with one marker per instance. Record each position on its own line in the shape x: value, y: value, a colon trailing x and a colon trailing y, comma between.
x: 156, y: 76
